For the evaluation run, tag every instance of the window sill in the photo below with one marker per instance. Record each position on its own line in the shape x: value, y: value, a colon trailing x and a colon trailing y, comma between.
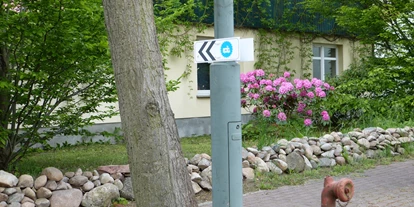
x: 203, y: 94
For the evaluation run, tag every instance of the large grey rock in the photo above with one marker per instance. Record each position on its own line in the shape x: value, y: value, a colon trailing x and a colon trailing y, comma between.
x: 7, y: 179
x: 53, y: 173
x: 100, y: 196
x: 67, y: 198
x: 25, y: 181
x: 40, y: 181
x: 127, y: 191
x: 17, y: 197
x: 42, y: 202
x: 326, y: 162
x: 295, y: 162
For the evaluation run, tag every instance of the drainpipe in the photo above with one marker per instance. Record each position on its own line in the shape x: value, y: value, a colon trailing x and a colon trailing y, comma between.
x: 342, y: 190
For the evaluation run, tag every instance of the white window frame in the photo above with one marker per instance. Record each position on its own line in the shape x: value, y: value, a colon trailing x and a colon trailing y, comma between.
x: 322, y: 58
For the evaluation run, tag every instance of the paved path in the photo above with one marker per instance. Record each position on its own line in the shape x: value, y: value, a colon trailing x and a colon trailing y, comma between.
x: 384, y: 186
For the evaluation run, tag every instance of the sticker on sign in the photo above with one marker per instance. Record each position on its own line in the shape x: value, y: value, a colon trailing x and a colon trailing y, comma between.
x: 217, y: 50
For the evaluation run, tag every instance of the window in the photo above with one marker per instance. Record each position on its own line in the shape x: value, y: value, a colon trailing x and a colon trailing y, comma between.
x: 203, y: 76
x: 325, y: 61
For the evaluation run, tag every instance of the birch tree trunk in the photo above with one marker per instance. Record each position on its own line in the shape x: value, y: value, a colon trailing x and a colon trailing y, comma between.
x: 157, y: 165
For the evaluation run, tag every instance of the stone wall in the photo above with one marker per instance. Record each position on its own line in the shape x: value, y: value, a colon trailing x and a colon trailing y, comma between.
x: 98, y: 188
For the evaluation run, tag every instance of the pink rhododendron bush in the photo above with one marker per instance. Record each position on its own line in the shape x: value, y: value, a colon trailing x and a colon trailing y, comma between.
x: 280, y: 98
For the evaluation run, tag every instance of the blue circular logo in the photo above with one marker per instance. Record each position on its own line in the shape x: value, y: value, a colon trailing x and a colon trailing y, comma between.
x: 226, y: 49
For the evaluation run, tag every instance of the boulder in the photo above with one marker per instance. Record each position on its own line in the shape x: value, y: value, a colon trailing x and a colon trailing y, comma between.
x: 295, y: 162
x: 25, y: 181
x: 7, y: 179
x: 53, y: 173
x: 67, y: 198
x: 100, y: 196
x: 40, y: 181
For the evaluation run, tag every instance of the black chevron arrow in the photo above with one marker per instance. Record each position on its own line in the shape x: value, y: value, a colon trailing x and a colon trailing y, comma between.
x: 208, y: 50
x: 201, y: 51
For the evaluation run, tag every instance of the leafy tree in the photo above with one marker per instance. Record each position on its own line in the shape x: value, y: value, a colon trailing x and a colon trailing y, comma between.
x: 383, y: 79
x: 54, y: 71
x: 158, y: 172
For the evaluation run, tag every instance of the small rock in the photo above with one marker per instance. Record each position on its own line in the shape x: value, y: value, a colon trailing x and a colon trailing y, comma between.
x: 78, y: 172
x: 308, y: 150
x: 280, y: 164
x: 43, y: 193
x: 93, y: 178
x: 329, y: 154
x: 308, y: 165
x: 42, y: 202
x: 7, y: 179
x: 282, y: 157
x: 106, y: 178
x: 253, y: 150
x: 205, y: 185
x: 67, y: 198
x: 316, y: 150
x: 273, y: 168
x: 326, y: 162
x: 28, y: 204
x: 261, y: 165
x: 79, y: 180
x: 53, y: 173
x: 70, y: 174
x: 340, y: 160
x: 27, y: 200
x: 346, y: 141
x: 328, y: 137
x: 97, y: 183
x: 364, y: 143
x: 88, y: 186
x: 196, y: 177
x: 14, y: 204
x: 127, y: 191
x: 3, y: 197
x: 245, y: 164
x: 196, y: 159
x: 28, y: 192
x: 196, y: 187
x: 9, y: 191
x: 206, y: 156
x: 118, y: 183
x: 40, y: 181
x: 61, y: 185
x: 204, y: 163
x: 326, y: 147
x: 17, y: 197
x: 87, y: 174
x: 25, y: 181
x: 51, y: 185
x: 248, y: 173
x: 3, y: 204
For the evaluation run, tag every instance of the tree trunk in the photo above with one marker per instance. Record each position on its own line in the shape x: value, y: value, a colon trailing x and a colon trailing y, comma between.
x: 156, y: 161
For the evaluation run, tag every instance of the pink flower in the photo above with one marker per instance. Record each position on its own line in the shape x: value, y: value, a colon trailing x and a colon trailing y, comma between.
x: 273, y: 106
x: 299, y: 84
x: 318, y: 89
x: 250, y: 86
x: 286, y: 74
x: 326, y: 85
x: 282, y: 116
x: 309, y: 112
x: 307, y: 84
x: 324, y: 112
x: 255, y: 110
x: 266, y: 113
x: 316, y: 82
x: 243, y: 102
x: 303, y: 93
x: 288, y: 85
x: 301, y: 107
x: 332, y: 88
x: 242, y: 90
x: 310, y: 94
x: 255, y: 96
x: 269, y: 88
x: 255, y: 85
x: 321, y: 94
x: 250, y: 95
x: 325, y: 117
x: 307, y: 122
x: 260, y: 72
x: 268, y: 82
x: 283, y: 90
x: 244, y: 78
x: 262, y: 82
x: 250, y: 73
x: 252, y: 78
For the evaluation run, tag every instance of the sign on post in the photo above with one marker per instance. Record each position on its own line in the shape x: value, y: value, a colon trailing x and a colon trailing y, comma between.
x: 226, y: 49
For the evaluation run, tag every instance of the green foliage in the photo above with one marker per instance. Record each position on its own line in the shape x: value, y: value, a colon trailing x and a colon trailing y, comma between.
x: 55, y: 69
x: 119, y: 200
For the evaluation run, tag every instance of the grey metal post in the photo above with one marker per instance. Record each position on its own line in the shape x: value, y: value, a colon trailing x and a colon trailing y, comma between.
x: 225, y: 117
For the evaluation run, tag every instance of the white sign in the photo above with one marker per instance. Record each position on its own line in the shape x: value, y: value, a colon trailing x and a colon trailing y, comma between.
x: 208, y: 51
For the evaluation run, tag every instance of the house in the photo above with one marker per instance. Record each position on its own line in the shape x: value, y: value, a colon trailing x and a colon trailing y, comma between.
x: 291, y: 39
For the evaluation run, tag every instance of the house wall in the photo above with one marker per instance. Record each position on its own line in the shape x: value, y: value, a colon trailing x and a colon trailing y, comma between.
x: 193, y: 113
